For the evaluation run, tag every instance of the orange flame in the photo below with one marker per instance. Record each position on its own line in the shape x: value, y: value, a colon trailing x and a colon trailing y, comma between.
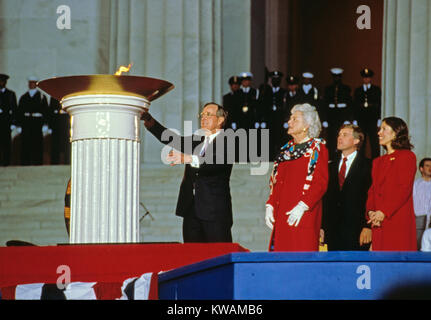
x: 122, y: 69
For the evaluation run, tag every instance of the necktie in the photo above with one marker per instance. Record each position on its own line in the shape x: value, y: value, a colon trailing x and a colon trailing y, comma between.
x: 342, y: 173
x: 202, y: 153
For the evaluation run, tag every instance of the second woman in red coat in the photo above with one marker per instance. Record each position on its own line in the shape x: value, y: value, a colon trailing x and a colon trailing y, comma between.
x: 298, y: 182
x: 390, y: 203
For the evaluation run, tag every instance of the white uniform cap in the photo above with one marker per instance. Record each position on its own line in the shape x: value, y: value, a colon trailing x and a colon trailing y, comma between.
x: 308, y: 75
x: 337, y: 71
x: 246, y: 75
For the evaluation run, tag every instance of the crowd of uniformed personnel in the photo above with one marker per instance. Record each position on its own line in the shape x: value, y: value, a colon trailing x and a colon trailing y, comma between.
x: 268, y: 106
x: 25, y: 123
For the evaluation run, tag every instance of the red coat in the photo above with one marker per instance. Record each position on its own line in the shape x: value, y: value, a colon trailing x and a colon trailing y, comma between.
x: 287, y: 192
x: 391, y: 192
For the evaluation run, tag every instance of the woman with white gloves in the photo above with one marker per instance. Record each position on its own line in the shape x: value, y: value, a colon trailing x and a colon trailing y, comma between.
x: 298, y: 182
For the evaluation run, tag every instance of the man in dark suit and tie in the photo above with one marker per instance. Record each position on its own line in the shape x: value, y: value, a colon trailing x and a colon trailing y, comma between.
x: 204, y: 200
x: 344, y: 226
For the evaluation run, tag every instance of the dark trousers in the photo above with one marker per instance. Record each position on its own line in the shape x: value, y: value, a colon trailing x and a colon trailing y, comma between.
x: 198, y: 230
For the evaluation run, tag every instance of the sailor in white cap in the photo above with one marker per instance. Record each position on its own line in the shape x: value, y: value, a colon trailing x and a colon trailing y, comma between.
x: 7, y: 112
x: 337, y: 108
x: 249, y: 97
x: 308, y: 92
x: 367, y: 109
x: 32, y: 112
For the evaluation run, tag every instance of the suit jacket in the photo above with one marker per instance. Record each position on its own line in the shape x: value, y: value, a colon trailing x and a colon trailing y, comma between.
x: 343, y: 211
x: 207, y: 187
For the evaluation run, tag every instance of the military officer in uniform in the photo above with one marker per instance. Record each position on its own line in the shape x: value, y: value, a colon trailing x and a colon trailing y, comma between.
x: 337, y: 108
x: 308, y: 93
x: 7, y: 112
x: 271, y: 106
x: 32, y: 113
x: 291, y: 98
x: 232, y: 102
x: 59, y: 122
x: 248, y: 99
x: 367, y: 109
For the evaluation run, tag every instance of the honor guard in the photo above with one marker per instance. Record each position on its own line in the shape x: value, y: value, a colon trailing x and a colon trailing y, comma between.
x: 271, y: 106
x: 367, y: 109
x: 337, y: 107
x: 232, y: 102
x: 59, y: 122
x: 32, y: 113
x: 249, y: 96
x: 7, y: 123
x: 309, y: 93
x: 291, y: 98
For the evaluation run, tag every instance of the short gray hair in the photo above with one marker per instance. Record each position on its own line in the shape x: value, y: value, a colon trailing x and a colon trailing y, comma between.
x: 311, y: 117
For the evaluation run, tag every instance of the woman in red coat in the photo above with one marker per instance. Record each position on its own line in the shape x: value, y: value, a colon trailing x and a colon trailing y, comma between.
x: 390, y: 203
x: 298, y: 182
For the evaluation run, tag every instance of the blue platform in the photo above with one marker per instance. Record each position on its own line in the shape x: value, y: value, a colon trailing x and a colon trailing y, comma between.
x: 302, y: 276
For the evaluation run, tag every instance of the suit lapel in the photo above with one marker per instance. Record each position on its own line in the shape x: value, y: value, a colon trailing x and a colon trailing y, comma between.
x: 353, y: 167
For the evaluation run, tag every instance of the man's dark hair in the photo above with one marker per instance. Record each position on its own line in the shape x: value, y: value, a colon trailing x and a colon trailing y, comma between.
x: 422, y: 163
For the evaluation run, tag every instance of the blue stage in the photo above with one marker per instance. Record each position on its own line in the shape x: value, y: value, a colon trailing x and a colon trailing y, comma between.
x: 303, y: 276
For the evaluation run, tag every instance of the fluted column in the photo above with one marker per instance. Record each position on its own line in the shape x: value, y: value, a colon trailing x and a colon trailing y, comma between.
x: 105, y: 167
x: 406, y: 80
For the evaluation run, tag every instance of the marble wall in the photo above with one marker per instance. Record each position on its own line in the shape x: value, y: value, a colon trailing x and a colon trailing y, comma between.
x: 194, y: 44
x: 406, y: 68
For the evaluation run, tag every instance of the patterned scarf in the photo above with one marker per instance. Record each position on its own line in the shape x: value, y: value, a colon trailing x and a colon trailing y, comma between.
x: 291, y: 151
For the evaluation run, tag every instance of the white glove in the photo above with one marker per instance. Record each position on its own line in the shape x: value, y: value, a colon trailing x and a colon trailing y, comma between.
x: 12, y: 127
x: 379, y: 123
x: 234, y: 125
x: 269, y: 216
x: 355, y: 122
x: 256, y: 125
x: 296, y: 213
x: 325, y: 124
x: 45, y: 128
x: 285, y: 125
x: 263, y: 125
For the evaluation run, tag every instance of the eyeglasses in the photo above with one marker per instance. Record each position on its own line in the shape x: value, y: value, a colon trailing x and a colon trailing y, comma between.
x: 206, y: 115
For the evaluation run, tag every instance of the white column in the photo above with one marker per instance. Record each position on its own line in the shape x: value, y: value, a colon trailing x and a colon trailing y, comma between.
x: 105, y: 167
x: 406, y: 69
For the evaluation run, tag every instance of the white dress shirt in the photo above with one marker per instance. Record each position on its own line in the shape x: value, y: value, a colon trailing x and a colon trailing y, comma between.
x: 349, y: 161
x: 195, y: 158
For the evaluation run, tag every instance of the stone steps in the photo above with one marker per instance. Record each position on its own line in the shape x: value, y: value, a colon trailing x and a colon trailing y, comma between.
x: 32, y: 205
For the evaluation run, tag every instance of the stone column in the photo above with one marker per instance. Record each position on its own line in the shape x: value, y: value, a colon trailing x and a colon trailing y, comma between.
x: 406, y: 69
x: 105, y: 167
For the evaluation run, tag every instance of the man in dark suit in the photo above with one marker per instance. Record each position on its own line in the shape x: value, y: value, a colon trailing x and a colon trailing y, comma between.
x: 7, y: 113
x: 204, y: 200
x: 367, y: 109
x: 344, y: 226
